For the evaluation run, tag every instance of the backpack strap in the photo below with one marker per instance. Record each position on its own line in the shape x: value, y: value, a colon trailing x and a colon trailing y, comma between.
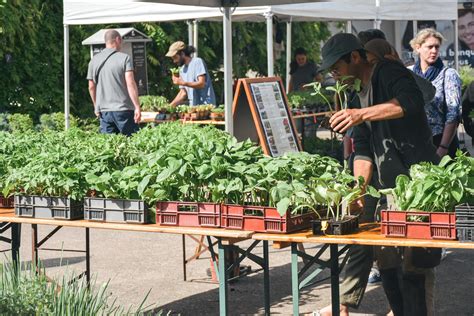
x: 96, y: 77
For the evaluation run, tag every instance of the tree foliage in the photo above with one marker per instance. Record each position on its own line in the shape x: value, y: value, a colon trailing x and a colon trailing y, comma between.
x: 31, y: 55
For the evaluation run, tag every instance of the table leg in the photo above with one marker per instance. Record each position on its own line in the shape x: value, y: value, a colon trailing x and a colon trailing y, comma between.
x: 16, y: 241
x: 222, y: 278
x: 294, y: 279
x: 334, y: 279
x: 88, y: 257
x: 34, y: 244
x: 183, y: 239
x: 266, y: 278
x: 302, y: 132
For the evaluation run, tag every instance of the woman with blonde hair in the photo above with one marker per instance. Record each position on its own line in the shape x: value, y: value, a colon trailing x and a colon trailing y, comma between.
x: 443, y: 111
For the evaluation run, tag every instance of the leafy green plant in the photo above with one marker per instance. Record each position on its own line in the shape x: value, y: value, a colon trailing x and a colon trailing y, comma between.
x: 435, y: 188
x: 467, y: 76
x: 55, y: 121
x: 153, y: 103
x: 4, y: 126
x: 26, y: 292
x: 175, y: 71
x: 20, y: 123
x: 220, y: 109
x: 318, y: 91
x: 340, y: 90
x: 324, y: 147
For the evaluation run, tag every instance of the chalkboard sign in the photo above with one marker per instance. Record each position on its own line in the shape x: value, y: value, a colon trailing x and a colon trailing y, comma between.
x: 260, y: 112
x: 139, y: 64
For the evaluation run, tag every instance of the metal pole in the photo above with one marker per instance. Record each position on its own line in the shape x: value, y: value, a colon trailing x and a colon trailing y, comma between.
x: 66, y: 76
x: 228, y: 95
x: 349, y: 27
x: 415, y: 27
x: 456, y: 45
x: 288, y: 54
x: 15, y: 243
x: 34, y: 244
x: 222, y: 278
x: 334, y: 279
x: 190, y: 33
x: 183, y: 239
x: 269, y: 19
x: 88, y: 257
x: 295, y: 283
x: 266, y: 278
x: 195, y: 36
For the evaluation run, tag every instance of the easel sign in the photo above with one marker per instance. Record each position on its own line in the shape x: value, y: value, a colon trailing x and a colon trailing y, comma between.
x: 261, y: 114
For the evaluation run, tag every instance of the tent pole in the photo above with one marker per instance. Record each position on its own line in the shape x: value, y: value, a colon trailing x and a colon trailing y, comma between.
x: 66, y: 76
x: 456, y: 45
x: 195, y: 36
x: 229, y: 120
x: 288, y: 54
x: 349, y: 26
x: 415, y: 27
x: 270, y: 61
x: 190, y: 33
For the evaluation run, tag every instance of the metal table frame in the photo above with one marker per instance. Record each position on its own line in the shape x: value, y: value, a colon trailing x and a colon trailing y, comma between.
x: 225, y: 239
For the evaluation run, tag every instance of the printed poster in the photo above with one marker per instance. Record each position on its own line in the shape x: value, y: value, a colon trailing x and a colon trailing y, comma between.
x: 274, y: 117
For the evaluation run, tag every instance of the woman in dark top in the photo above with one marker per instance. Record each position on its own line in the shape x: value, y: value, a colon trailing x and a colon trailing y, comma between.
x: 302, y: 71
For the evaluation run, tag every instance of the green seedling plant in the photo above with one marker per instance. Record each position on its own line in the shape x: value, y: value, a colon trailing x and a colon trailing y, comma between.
x: 339, y: 89
x: 318, y: 91
x: 175, y: 71
x: 435, y: 188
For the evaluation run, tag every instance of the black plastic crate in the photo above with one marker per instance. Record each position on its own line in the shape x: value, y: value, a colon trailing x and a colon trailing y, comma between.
x: 115, y: 210
x: 48, y: 207
x: 464, y: 214
x: 465, y: 233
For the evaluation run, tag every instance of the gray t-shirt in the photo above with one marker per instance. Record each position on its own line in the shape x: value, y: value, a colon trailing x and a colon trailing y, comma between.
x: 190, y: 73
x: 111, y: 88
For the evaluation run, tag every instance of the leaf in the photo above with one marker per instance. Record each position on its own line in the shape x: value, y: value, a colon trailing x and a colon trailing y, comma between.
x: 143, y: 184
x: 282, y: 206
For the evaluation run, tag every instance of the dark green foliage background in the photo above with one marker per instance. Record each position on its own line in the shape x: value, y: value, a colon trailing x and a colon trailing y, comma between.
x: 31, y: 55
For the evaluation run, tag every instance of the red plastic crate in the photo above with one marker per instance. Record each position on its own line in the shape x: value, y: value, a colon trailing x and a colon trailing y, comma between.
x: 192, y: 214
x: 438, y: 226
x: 6, y: 202
x: 263, y: 219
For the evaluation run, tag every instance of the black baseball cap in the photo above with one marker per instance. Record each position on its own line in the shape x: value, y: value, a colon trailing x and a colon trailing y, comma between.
x: 338, y: 46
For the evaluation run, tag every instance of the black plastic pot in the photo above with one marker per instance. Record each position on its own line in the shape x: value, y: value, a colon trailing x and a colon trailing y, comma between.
x: 348, y: 225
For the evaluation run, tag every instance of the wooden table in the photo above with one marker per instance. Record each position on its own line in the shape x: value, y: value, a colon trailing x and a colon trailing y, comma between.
x: 369, y: 234
x: 225, y: 238
x: 150, y: 117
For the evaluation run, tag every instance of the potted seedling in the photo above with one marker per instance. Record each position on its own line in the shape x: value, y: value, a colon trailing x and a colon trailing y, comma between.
x: 182, y: 111
x: 217, y: 114
x: 330, y: 196
x: 193, y: 112
x: 423, y: 202
x: 340, y: 91
x: 175, y: 71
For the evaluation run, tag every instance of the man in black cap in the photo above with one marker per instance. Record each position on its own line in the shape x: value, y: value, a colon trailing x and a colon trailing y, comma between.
x: 391, y: 133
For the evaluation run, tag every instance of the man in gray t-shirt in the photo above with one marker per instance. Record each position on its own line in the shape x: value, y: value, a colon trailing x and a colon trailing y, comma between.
x: 113, y: 89
x: 194, y: 81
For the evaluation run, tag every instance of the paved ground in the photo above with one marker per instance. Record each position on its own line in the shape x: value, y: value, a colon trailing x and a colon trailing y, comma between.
x: 136, y: 263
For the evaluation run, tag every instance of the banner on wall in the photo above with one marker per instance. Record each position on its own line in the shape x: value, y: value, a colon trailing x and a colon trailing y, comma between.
x: 446, y: 28
x: 465, y: 36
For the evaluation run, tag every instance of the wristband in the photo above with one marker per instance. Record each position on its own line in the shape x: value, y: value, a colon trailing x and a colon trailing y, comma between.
x: 444, y: 147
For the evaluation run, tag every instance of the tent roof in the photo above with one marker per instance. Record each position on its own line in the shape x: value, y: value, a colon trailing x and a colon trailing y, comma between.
x: 218, y: 3
x: 129, y: 34
x: 129, y: 11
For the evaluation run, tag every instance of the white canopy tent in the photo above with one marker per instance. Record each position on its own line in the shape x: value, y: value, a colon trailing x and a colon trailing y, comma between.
x: 77, y: 12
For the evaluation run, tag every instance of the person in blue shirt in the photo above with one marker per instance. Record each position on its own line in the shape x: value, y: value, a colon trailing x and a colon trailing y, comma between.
x: 194, y: 81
